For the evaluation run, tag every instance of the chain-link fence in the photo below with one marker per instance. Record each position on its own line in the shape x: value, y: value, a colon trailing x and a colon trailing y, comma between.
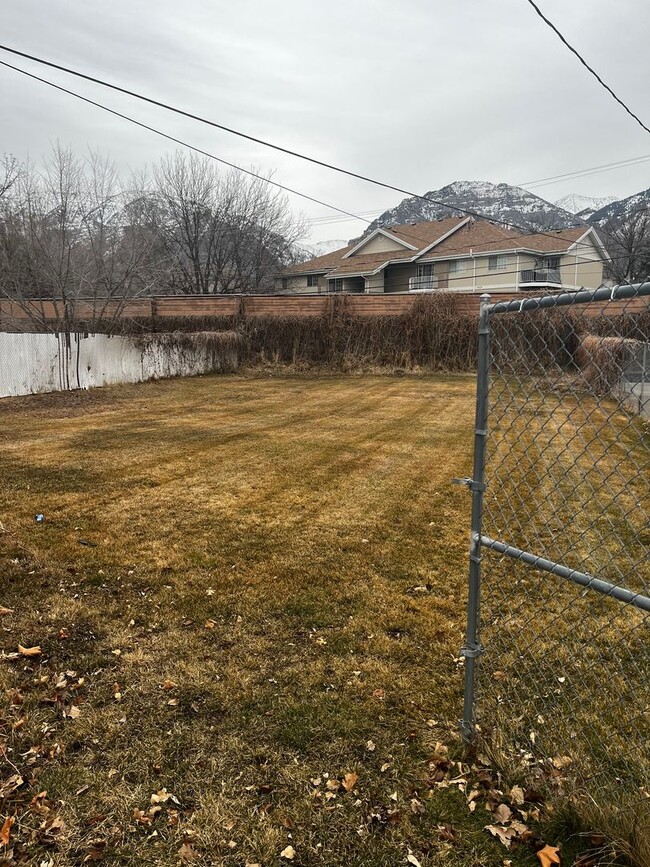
x: 558, y: 651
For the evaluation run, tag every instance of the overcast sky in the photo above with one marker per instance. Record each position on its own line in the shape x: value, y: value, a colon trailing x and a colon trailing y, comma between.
x: 417, y: 92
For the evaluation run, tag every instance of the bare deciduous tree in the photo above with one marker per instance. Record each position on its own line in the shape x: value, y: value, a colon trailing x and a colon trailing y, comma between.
x: 66, y: 252
x: 223, y: 231
x: 629, y: 246
x: 76, y: 242
x: 10, y: 172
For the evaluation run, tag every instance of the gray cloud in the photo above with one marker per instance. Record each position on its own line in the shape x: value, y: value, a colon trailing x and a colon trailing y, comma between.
x: 417, y: 92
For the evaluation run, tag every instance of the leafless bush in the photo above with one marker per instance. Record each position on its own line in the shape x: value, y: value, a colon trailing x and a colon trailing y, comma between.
x: 548, y: 342
x: 602, y: 360
x: 224, y: 349
x: 433, y: 335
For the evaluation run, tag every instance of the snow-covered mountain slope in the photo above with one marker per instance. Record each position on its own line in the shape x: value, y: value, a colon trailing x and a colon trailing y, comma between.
x: 619, y: 209
x: 321, y: 248
x: 583, y: 206
x: 514, y: 205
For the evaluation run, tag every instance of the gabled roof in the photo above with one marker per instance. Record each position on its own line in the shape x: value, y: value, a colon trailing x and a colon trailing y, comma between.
x: 386, y: 233
x: 421, y: 235
x: 444, y: 239
x: 416, y: 238
x: 475, y: 236
x: 371, y: 263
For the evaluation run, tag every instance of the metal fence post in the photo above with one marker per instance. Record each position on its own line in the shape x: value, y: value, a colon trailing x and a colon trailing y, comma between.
x: 472, y: 647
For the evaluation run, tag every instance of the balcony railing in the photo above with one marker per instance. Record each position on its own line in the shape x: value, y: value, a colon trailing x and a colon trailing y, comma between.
x: 540, y: 275
x: 423, y: 284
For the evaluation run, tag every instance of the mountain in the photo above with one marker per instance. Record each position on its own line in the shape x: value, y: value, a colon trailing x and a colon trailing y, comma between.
x: 583, y: 206
x: 620, y: 208
x: 503, y: 202
x: 321, y: 248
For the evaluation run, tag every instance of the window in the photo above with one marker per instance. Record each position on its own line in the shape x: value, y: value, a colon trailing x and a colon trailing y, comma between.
x: 336, y: 285
x: 552, y: 263
x: 312, y: 281
x: 285, y: 282
x: 497, y: 263
x: 457, y: 266
x: 425, y: 270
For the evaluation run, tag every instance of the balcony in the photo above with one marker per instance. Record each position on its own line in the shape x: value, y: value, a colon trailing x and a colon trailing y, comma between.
x: 540, y: 275
x: 423, y: 284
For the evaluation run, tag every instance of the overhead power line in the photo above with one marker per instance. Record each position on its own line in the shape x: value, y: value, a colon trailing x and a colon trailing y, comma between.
x: 527, y: 185
x: 577, y: 260
x: 589, y: 68
x: 339, y: 169
x: 180, y: 141
x: 524, y: 229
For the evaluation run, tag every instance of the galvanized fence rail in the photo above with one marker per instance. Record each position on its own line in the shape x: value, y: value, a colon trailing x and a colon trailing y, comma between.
x: 557, y: 650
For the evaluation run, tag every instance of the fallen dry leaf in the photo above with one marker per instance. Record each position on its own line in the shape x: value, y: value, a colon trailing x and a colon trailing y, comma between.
x: 517, y: 796
x: 289, y: 853
x: 411, y: 859
x: 73, y: 712
x: 168, y: 684
x: 5, y: 831
x: 549, y: 855
x: 210, y: 624
x: 505, y: 835
x: 561, y: 762
x: 447, y: 833
x: 187, y: 854
x: 162, y: 796
x: 4, y: 611
x: 502, y: 814
x: 15, y: 781
x: 29, y: 651
x: 349, y: 781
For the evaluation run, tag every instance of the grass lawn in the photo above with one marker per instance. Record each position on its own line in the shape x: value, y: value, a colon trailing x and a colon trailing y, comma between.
x: 272, y: 598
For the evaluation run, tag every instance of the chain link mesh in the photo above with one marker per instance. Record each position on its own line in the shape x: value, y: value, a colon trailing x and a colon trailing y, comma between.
x: 562, y: 692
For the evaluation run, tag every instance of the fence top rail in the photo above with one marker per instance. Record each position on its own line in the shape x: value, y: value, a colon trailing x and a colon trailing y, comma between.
x: 567, y: 299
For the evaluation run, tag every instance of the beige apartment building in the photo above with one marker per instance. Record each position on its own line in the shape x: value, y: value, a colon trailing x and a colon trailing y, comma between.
x: 459, y: 254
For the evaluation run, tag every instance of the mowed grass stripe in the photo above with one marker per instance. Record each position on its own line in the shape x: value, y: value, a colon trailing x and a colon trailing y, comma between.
x: 295, y: 516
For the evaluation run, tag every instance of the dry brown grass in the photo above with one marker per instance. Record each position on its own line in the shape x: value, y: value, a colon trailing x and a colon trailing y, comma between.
x: 258, y: 543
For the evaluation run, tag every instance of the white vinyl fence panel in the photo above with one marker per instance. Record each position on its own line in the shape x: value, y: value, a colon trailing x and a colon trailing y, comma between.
x: 33, y: 363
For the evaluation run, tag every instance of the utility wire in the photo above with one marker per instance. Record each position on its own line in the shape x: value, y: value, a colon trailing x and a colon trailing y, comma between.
x: 586, y: 65
x: 466, y: 211
x: 529, y: 229
x: 180, y: 141
x: 576, y: 261
x: 527, y: 185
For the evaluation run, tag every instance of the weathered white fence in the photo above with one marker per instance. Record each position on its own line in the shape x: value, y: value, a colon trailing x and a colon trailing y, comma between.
x: 32, y: 363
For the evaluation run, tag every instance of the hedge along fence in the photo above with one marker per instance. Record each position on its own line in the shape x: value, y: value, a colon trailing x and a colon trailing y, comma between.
x: 603, y: 361
x: 214, y: 351
x: 436, y: 333
x: 432, y: 335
